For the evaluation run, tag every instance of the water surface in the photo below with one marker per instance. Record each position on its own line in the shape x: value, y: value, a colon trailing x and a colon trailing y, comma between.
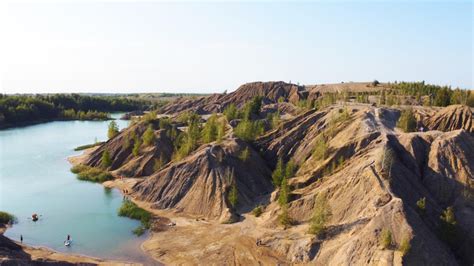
x: 35, y: 178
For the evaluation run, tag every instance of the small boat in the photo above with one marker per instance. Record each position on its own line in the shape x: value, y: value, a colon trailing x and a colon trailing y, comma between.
x: 67, y: 243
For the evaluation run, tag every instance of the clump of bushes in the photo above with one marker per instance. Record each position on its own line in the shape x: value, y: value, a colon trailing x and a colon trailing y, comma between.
x: 92, y: 174
x: 386, y: 238
x: 405, y: 246
x: 449, y: 226
x: 421, y: 204
x: 7, y: 218
x: 132, y: 211
x: 257, y: 211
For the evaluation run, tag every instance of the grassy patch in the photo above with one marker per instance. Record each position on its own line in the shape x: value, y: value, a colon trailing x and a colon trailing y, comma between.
x: 6, y: 218
x: 92, y: 174
x: 132, y: 211
x: 83, y: 147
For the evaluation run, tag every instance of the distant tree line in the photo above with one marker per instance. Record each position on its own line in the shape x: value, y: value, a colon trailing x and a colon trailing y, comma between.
x: 16, y: 109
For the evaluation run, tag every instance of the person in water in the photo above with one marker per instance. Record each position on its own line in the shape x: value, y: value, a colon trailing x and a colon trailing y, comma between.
x: 68, y: 237
x: 21, y: 238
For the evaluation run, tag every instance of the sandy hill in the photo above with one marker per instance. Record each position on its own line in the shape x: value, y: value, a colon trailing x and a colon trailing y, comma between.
x: 370, y: 173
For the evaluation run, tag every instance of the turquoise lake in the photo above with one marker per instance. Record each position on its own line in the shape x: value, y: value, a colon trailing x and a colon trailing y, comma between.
x: 35, y: 177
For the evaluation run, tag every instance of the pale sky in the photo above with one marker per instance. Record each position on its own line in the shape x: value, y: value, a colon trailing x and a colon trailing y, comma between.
x: 212, y: 47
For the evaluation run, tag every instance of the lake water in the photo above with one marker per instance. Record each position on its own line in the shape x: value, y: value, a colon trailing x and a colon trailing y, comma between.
x: 35, y: 177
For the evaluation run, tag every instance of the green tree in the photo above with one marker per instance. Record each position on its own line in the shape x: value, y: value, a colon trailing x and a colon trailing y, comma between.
x: 284, y: 217
x: 221, y: 130
x: 322, y: 213
x: 284, y: 191
x: 231, y: 112
x: 113, y: 129
x: 249, y: 130
x: 165, y: 123
x: 442, y: 97
x: 149, y: 136
x: 388, y: 157
x: 290, y: 169
x: 105, y: 160
x: 252, y: 108
x: 190, y: 139
x: 320, y: 151
x: 233, y: 196
x: 210, y: 129
x: 407, y: 121
x: 278, y: 173
x: 137, y: 143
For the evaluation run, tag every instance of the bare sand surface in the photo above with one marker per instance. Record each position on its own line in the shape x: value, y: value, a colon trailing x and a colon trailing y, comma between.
x: 182, y: 239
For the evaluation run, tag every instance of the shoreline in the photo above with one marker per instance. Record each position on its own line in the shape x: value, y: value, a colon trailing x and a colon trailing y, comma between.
x: 46, y: 254
x: 114, y: 184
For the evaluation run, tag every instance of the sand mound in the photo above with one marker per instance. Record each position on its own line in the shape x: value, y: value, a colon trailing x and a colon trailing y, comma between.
x: 270, y: 91
x: 199, y: 184
x: 124, y: 162
x: 451, y: 118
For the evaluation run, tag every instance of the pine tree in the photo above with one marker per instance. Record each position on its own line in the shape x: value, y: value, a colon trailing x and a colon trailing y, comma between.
x: 320, y: 150
x: 221, y: 130
x: 233, y: 195
x: 105, y: 160
x: 322, y: 213
x: 278, y: 173
x: 407, y: 121
x: 284, y: 191
x: 210, y: 130
x: 113, y: 130
x: 136, y: 146
x: 149, y: 136
x: 231, y: 112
